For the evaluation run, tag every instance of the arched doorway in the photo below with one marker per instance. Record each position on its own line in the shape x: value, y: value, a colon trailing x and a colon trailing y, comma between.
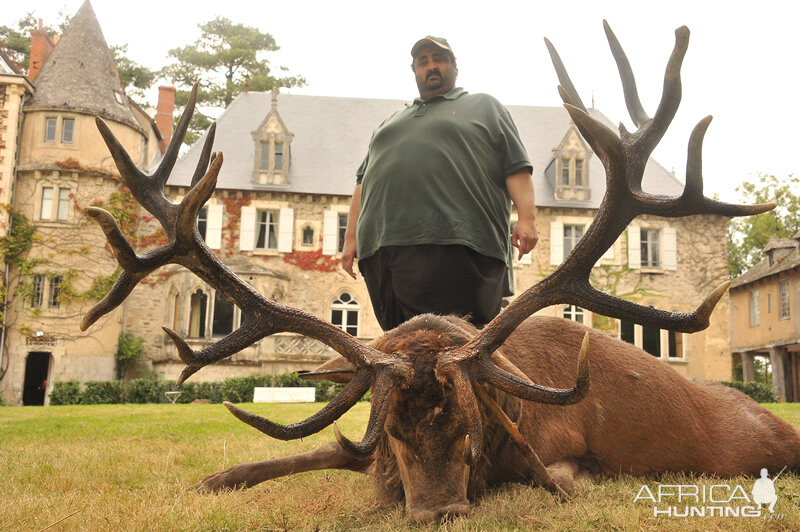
x: 37, y: 367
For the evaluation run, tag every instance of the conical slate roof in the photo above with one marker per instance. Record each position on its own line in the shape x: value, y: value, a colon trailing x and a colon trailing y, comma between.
x: 80, y: 74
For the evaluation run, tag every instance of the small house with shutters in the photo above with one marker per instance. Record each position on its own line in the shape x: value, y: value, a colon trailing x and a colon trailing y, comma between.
x: 764, y: 317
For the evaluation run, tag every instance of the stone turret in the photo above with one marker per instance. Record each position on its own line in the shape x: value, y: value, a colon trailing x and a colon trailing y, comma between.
x: 79, y: 74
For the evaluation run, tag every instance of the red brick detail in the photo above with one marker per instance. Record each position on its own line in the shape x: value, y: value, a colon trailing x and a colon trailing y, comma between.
x: 41, y: 46
x: 164, y: 110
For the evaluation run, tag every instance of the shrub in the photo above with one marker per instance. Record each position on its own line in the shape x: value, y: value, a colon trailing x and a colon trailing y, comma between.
x: 66, y: 393
x: 129, y: 350
x: 763, y: 393
x: 146, y: 390
x: 102, y: 393
x: 151, y: 390
x: 209, y: 390
x: 240, y: 389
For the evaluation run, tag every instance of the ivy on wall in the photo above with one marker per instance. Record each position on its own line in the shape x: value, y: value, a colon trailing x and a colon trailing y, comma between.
x: 230, y: 231
x: 312, y: 260
x: 14, y: 248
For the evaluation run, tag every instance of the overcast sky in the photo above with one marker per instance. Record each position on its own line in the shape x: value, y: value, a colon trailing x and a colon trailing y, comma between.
x: 741, y: 66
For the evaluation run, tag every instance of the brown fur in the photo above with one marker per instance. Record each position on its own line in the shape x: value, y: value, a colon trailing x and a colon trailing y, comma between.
x: 639, y: 417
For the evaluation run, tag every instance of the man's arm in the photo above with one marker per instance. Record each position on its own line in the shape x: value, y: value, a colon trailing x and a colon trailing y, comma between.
x: 520, y: 188
x: 349, y: 248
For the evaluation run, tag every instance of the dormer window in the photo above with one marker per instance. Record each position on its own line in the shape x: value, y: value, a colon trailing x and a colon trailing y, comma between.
x: 572, y: 172
x: 569, y: 171
x: 272, y: 149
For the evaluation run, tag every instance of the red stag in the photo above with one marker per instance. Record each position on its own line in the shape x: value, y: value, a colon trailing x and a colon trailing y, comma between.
x: 445, y: 394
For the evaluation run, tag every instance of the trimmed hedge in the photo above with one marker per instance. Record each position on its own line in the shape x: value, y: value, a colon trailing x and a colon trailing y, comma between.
x: 763, y: 393
x: 66, y: 393
x: 149, y: 390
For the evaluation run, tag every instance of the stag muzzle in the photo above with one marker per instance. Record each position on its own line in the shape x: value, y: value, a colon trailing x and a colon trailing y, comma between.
x: 435, y: 488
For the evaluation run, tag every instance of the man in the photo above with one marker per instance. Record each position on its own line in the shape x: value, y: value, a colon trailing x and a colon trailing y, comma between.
x: 429, y: 218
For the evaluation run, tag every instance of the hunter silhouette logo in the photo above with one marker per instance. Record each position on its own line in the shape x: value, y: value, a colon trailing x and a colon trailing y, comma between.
x: 764, y: 490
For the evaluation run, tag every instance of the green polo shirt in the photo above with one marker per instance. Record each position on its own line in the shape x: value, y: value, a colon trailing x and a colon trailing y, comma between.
x: 435, y: 174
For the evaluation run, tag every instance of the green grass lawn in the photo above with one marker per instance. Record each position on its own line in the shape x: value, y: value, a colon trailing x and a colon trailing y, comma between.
x: 127, y: 468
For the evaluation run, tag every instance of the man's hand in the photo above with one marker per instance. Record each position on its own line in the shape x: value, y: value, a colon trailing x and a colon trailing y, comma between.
x: 524, y: 236
x: 348, y: 254
x: 349, y: 246
x: 520, y: 188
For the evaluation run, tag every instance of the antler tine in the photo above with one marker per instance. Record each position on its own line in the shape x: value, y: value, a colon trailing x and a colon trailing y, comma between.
x: 448, y: 370
x: 638, y: 115
x: 692, y: 201
x: 650, y: 131
x: 122, y: 287
x: 381, y: 399
x: 164, y: 169
x: 205, y: 154
x: 489, y: 372
x: 566, y: 89
x: 194, y: 200
x: 340, y: 404
x: 670, y: 97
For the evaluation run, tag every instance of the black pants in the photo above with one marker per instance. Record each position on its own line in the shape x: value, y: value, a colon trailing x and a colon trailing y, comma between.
x: 404, y: 281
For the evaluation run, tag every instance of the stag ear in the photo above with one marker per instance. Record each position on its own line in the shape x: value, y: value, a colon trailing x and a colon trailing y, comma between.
x: 338, y: 370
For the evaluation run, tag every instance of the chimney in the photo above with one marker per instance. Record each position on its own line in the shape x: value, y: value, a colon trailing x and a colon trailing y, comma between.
x: 41, y: 46
x: 164, y: 110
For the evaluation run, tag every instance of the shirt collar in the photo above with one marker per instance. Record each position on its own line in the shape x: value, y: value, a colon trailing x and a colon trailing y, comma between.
x: 453, y: 94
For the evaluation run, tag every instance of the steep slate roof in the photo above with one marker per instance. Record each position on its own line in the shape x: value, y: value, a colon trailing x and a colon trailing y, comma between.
x: 331, y: 137
x: 784, y: 263
x: 80, y: 74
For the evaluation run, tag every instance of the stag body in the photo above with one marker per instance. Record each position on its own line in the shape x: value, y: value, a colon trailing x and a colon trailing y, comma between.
x: 639, y: 417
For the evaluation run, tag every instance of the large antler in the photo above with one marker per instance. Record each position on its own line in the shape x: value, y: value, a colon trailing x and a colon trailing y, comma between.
x: 261, y: 317
x: 624, y: 157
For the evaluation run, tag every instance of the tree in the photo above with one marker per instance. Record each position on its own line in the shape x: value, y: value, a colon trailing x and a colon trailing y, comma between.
x: 135, y: 78
x: 747, y: 236
x: 15, y: 40
x: 225, y: 59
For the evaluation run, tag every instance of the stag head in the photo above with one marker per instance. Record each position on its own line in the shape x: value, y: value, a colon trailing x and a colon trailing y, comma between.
x: 426, y: 376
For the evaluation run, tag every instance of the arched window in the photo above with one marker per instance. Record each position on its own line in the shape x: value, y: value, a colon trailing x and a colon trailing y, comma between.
x: 197, y: 314
x: 308, y: 235
x: 344, y: 313
x: 571, y: 312
x: 222, y: 322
